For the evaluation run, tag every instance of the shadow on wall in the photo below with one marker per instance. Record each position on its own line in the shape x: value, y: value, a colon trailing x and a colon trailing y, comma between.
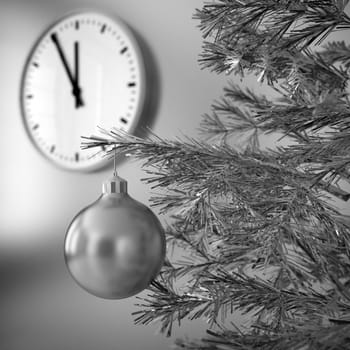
x: 153, y: 92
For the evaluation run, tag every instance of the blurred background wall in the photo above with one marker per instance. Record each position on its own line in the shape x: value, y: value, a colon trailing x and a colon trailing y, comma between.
x: 41, y: 307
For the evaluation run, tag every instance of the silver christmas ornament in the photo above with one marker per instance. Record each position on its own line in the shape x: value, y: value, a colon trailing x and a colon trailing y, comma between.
x: 115, y: 246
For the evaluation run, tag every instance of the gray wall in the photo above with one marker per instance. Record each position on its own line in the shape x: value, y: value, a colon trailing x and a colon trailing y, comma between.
x: 40, y: 306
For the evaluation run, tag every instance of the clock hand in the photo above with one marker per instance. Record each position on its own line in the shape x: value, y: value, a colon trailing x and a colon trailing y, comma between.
x: 76, y: 89
x: 78, y: 100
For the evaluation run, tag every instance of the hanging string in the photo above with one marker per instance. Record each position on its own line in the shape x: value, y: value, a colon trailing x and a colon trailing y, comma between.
x: 115, y: 162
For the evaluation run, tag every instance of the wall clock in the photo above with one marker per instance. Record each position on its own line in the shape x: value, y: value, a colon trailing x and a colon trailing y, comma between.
x: 85, y: 71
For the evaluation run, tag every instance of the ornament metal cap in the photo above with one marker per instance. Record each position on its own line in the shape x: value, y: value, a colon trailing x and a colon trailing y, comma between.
x: 115, y: 184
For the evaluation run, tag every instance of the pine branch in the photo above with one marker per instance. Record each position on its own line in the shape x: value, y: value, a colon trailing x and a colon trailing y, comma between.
x: 252, y: 178
x: 294, y: 24
x: 325, y: 108
x: 282, y: 305
x: 229, y: 121
x: 276, y: 192
x: 326, y: 159
x: 223, y: 292
x: 182, y: 162
x: 336, y: 52
x: 326, y: 156
x: 266, y: 37
x: 168, y: 306
x: 302, y: 120
x: 309, y: 337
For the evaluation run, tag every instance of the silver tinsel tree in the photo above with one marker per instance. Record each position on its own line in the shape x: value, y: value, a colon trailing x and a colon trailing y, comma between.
x: 258, y: 228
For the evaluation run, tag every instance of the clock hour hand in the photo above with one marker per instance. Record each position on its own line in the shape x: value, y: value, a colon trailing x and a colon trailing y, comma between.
x: 74, y: 82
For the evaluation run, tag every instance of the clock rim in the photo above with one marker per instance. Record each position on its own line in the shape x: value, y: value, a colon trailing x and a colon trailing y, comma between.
x: 104, y: 161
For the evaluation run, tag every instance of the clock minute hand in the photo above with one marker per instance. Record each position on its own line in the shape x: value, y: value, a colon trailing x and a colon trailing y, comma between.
x: 78, y: 101
x: 76, y: 89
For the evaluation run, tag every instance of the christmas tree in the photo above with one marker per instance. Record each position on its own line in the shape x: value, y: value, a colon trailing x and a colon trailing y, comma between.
x: 261, y: 230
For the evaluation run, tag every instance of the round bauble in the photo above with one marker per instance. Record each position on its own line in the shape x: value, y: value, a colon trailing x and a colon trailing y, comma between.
x: 115, y: 246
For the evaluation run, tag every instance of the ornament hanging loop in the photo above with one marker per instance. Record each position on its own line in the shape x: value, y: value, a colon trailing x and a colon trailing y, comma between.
x: 115, y: 162
x: 115, y: 184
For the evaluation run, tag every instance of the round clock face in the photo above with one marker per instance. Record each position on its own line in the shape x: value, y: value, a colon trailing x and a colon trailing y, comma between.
x: 85, y: 72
